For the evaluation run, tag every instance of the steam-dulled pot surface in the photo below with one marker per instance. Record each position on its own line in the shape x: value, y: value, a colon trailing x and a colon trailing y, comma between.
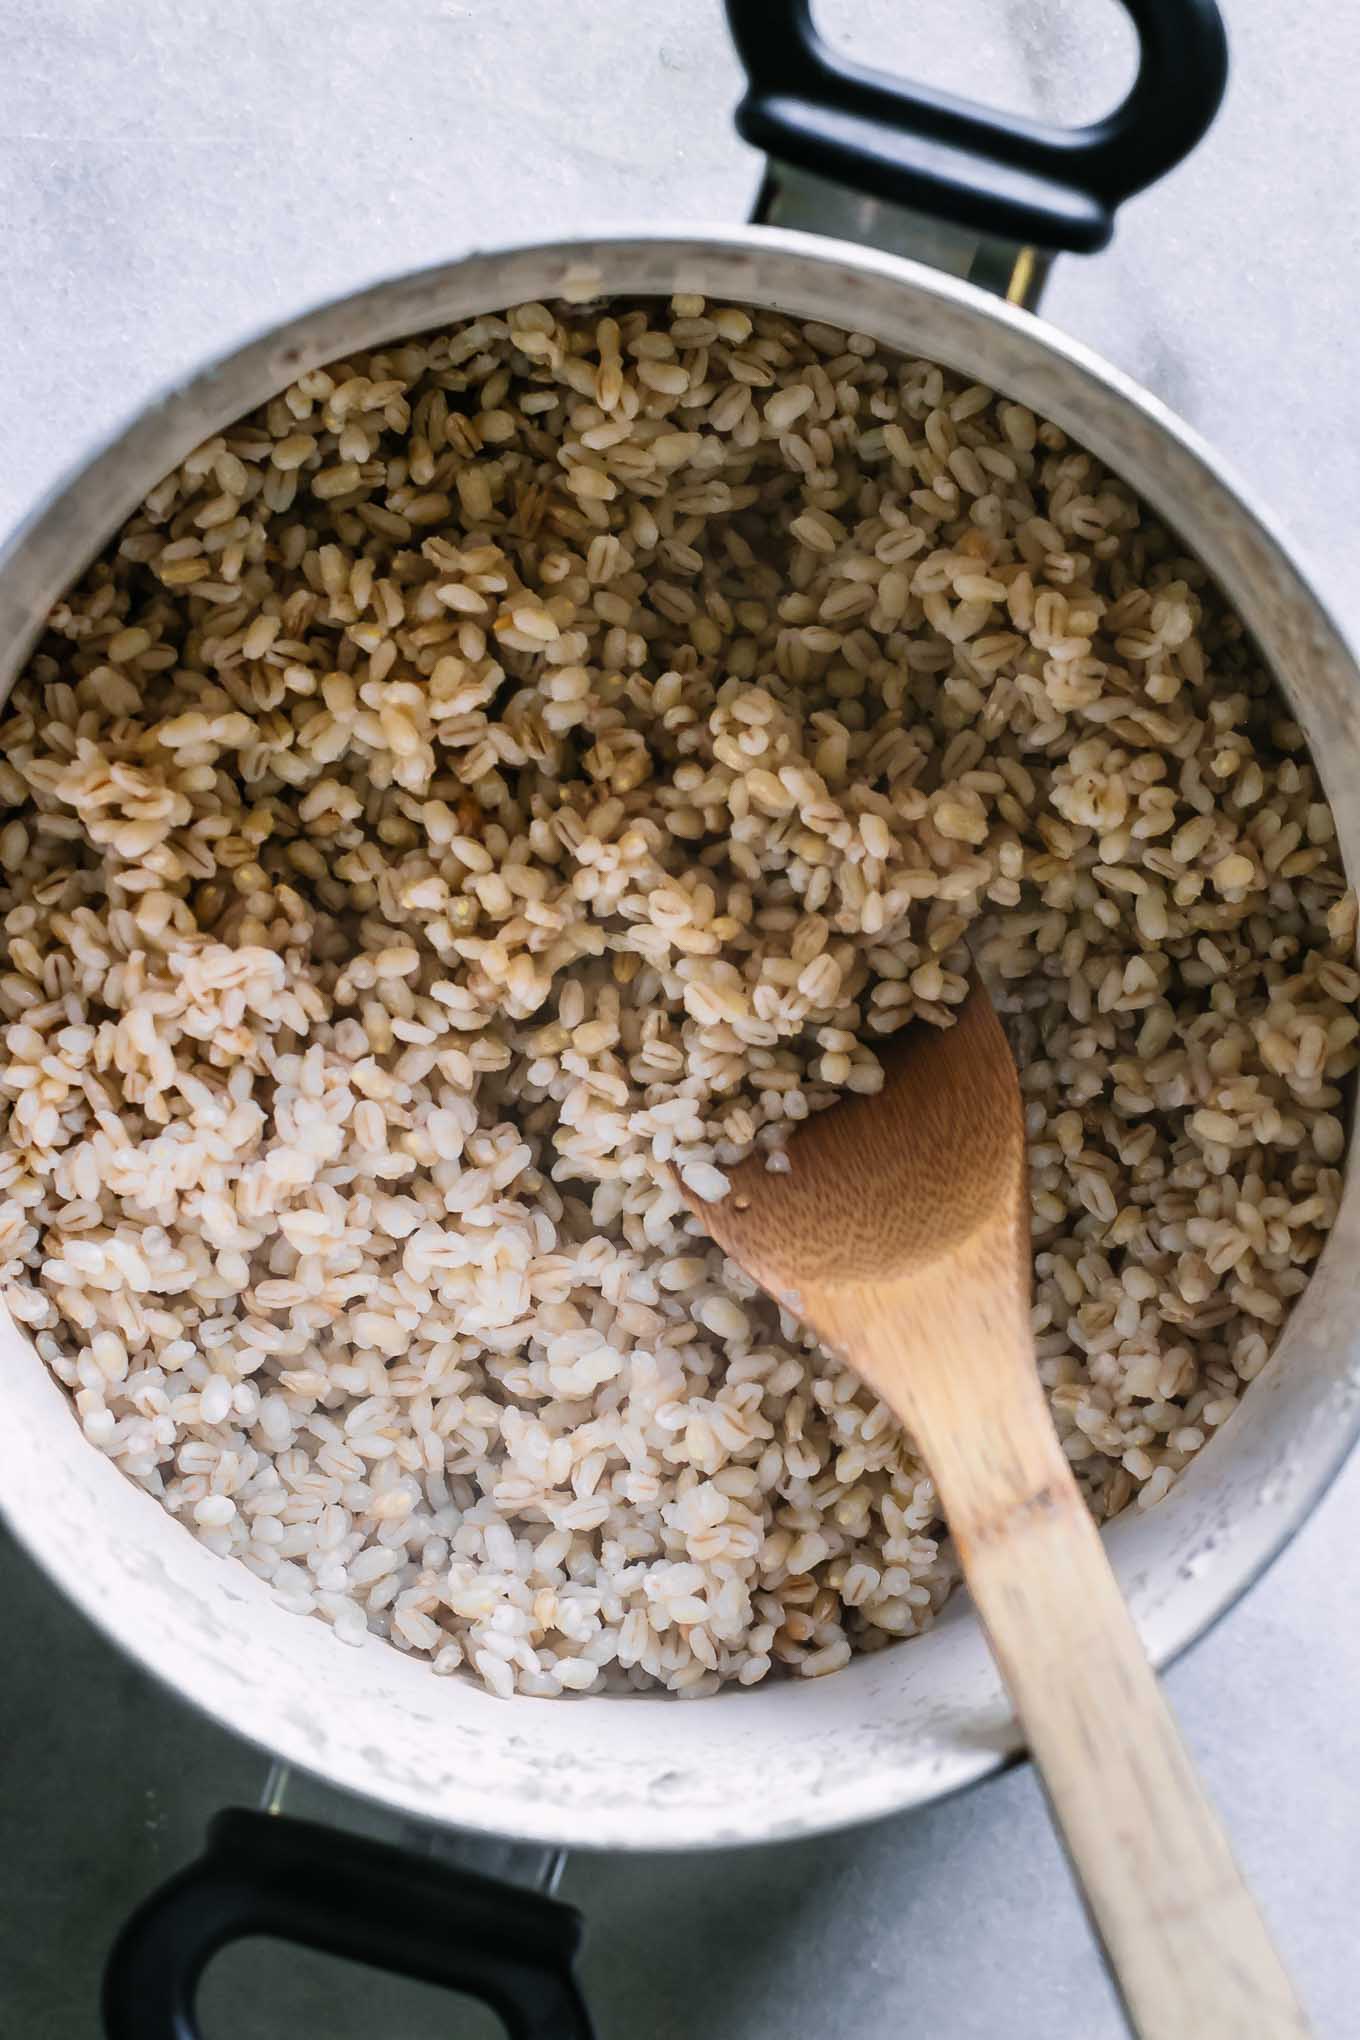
x: 903, y: 1725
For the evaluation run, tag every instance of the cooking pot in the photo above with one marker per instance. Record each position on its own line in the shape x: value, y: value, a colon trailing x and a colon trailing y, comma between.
x: 988, y: 199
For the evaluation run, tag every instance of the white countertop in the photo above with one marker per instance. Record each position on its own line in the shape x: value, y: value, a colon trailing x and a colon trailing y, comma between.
x: 176, y: 174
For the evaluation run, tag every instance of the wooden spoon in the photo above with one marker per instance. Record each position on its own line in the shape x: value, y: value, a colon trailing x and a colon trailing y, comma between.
x: 900, y: 1235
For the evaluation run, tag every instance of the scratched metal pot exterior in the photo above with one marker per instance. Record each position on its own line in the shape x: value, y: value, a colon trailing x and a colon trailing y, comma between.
x: 910, y: 1723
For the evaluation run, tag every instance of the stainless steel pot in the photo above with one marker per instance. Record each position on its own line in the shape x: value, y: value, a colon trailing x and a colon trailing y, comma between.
x: 909, y: 1724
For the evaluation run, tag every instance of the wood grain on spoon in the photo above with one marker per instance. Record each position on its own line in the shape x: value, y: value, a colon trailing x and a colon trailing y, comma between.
x: 900, y: 1235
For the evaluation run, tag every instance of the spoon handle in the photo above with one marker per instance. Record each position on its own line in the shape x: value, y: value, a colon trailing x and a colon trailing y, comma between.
x: 1187, y: 1946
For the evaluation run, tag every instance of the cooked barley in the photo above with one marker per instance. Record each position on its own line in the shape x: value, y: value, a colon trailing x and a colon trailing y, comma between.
x: 520, y: 763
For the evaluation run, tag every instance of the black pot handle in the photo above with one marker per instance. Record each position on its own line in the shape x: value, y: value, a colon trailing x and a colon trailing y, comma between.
x: 346, y: 1895
x: 995, y: 173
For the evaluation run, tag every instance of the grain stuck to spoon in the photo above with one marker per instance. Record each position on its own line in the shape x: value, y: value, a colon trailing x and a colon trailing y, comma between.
x: 900, y: 1234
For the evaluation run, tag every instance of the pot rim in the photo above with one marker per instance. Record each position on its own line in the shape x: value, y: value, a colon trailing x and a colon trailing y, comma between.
x: 275, y: 355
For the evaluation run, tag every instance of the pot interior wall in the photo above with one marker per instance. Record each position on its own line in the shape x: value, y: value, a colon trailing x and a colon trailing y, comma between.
x: 915, y: 1720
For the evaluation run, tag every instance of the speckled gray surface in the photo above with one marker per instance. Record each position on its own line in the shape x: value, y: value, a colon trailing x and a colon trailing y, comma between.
x: 175, y: 175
